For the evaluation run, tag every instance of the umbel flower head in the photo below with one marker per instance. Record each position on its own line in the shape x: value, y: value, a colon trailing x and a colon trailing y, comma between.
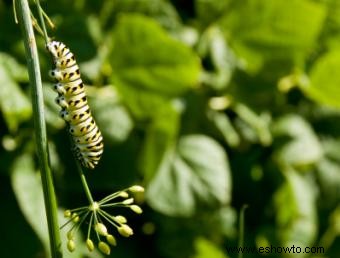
x: 98, y: 220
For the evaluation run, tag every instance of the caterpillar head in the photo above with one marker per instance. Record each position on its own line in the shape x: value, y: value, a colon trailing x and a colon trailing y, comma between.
x: 55, y: 48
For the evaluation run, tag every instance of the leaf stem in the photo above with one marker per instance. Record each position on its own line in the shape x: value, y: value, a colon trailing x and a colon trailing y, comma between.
x: 25, y: 21
x: 84, y: 183
x: 42, y: 21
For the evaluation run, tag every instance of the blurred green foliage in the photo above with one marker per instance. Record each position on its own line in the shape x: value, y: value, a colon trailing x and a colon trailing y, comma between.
x: 210, y: 104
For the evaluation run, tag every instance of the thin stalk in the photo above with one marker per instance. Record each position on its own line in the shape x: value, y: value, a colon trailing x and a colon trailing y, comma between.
x: 84, y: 183
x: 40, y: 127
x: 42, y: 21
x: 241, y: 230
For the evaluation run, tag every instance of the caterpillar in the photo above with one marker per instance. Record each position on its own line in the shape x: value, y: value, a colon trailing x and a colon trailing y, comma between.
x: 86, y: 136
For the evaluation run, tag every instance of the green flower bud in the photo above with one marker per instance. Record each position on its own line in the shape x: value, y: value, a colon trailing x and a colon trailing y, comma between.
x: 104, y: 248
x: 67, y: 214
x: 75, y: 217
x: 125, y: 230
x: 128, y: 201
x: 136, y: 209
x: 120, y: 219
x: 124, y: 194
x: 136, y: 189
x: 101, y: 229
x: 69, y: 235
x: 89, y: 244
x: 71, y: 246
x: 111, y: 240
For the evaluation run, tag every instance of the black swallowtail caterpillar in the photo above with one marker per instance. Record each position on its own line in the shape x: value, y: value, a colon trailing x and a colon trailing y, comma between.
x: 87, y: 139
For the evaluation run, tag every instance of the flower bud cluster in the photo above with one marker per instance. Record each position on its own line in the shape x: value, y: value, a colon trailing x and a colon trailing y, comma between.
x: 98, y: 218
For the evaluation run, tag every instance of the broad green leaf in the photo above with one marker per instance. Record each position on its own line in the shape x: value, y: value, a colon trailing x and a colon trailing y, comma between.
x: 160, y: 10
x: 208, y: 11
x: 205, y: 248
x: 272, y: 29
x: 331, y: 33
x: 27, y: 188
x: 160, y: 135
x: 324, y: 80
x: 111, y: 116
x: 301, y: 147
x: 16, y: 71
x: 194, y: 172
x: 149, y: 66
x: 14, y: 104
x: 328, y: 172
x: 295, y: 203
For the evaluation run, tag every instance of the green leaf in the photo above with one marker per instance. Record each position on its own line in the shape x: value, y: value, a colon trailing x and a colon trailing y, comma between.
x: 324, y: 80
x: 302, y: 147
x: 210, y: 10
x: 213, y: 47
x: 273, y: 29
x: 150, y: 67
x: 16, y: 71
x: 160, y: 135
x: 196, y: 171
x: 295, y: 202
x: 14, y: 104
x: 111, y: 116
x: 161, y: 10
x: 27, y: 188
x: 328, y: 173
x: 205, y: 248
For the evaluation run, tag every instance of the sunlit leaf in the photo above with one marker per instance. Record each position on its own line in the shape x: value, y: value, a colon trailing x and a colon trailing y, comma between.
x: 15, y: 70
x: 111, y: 116
x: 295, y: 203
x: 149, y: 66
x: 324, y: 80
x: 27, y: 188
x: 194, y: 172
x: 160, y: 135
x: 14, y: 104
x: 273, y: 29
x: 300, y: 146
x: 160, y: 10
x: 206, y: 248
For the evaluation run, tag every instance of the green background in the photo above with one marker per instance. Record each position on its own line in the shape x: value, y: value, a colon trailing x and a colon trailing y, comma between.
x: 209, y: 104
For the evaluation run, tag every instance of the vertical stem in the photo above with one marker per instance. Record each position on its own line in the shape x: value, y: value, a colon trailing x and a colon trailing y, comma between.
x: 40, y: 126
x: 241, y: 230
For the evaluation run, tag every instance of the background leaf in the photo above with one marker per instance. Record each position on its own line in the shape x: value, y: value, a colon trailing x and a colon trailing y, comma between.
x: 195, y: 172
x: 147, y: 80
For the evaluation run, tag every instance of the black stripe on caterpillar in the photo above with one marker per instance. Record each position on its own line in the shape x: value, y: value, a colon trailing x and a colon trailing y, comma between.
x: 87, y: 138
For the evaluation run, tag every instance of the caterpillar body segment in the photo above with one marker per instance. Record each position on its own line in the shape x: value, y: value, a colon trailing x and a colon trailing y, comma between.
x: 86, y: 136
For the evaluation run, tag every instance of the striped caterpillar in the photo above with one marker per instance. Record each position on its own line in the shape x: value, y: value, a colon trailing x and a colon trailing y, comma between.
x: 87, y: 139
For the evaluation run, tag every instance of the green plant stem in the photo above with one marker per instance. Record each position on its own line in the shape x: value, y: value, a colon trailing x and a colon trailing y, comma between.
x: 42, y: 21
x: 40, y: 126
x: 84, y: 183
x: 241, y: 230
